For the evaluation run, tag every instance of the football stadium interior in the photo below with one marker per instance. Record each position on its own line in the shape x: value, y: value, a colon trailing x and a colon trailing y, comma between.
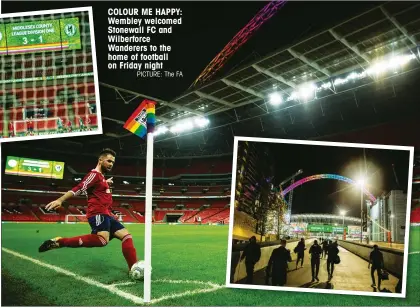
x: 357, y: 81
x: 183, y: 191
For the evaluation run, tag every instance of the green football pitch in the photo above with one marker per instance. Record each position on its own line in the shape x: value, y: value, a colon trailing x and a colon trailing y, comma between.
x: 189, y: 269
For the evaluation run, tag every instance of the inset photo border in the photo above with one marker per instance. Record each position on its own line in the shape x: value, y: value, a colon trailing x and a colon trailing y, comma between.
x: 361, y: 215
x: 49, y: 86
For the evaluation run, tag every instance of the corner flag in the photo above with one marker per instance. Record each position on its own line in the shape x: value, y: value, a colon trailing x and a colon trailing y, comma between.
x: 142, y: 123
x: 143, y: 119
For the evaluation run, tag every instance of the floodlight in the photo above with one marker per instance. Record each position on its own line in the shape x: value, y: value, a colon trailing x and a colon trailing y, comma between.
x: 325, y: 85
x: 352, y: 75
x: 275, y: 98
x: 201, y: 122
x: 294, y: 96
x: 174, y: 129
x: 187, y: 124
x: 160, y: 130
x: 307, y: 92
x: 182, y: 126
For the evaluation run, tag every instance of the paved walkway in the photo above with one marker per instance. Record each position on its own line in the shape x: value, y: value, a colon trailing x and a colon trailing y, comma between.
x: 351, y: 274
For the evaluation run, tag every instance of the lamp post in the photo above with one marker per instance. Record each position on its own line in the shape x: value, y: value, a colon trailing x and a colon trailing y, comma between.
x: 391, y: 227
x: 361, y: 214
x: 362, y: 184
x: 343, y: 213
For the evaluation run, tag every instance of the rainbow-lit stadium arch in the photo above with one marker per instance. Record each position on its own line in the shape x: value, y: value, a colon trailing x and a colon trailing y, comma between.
x: 326, y: 176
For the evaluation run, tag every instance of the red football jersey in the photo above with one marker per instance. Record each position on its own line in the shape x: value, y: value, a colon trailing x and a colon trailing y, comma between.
x: 98, y: 193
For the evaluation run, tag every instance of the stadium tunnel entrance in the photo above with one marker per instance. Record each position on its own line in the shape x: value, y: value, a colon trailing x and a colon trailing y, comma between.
x: 172, y: 217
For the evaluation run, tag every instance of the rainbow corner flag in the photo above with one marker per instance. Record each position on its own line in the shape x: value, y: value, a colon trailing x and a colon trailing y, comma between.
x: 143, y: 119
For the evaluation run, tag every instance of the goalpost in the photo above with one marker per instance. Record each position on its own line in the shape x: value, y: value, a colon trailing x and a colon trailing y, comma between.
x: 20, y: 126
x: 75, y: 218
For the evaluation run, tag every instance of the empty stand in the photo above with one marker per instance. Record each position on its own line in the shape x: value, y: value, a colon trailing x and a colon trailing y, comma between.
x: 13, y: 212
x: 415, y: 216
x: 130, y: 207
x: 44, y: 105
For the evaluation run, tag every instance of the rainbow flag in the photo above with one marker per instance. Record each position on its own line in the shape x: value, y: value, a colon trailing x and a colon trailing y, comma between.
x: 143, y: 119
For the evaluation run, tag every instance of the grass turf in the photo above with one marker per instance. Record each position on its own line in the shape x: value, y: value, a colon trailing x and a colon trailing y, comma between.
x: 180, y: 253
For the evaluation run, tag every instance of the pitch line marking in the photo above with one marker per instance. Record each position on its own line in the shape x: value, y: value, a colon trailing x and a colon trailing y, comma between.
x: 208, y: 283
x: 199, y: 282
x: 213, y: 287
x: 186, y: 293
x: 414, y: 252
x: 111, y: 288
x: 127, y: 283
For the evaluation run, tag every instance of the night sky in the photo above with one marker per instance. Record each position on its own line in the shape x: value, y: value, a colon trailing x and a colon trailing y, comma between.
x: 207, y: 27
x: 329, y: 196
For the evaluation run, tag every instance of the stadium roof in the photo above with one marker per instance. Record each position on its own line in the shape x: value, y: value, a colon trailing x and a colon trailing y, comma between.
x: 352, y: 45
x: 322, y: 217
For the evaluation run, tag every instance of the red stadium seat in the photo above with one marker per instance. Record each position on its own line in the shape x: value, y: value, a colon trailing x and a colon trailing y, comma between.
x: 415, y: 216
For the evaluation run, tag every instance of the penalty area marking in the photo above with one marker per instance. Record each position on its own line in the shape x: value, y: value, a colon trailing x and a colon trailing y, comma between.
x: 113, y: 287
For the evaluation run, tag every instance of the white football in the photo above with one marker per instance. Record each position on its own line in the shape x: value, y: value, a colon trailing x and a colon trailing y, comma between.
x: 137, y: 270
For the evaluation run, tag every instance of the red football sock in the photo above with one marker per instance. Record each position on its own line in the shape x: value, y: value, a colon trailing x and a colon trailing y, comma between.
x: 128, y: 250
x: 88, y: 240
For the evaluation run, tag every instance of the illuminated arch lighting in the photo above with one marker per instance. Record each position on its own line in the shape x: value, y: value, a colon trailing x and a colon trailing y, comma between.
x: 326, y: 176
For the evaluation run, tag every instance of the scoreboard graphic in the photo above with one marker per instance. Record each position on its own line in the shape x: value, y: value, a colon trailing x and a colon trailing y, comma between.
x: 34, y: 167
x: 40, y: 36
x: 326, y: 229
